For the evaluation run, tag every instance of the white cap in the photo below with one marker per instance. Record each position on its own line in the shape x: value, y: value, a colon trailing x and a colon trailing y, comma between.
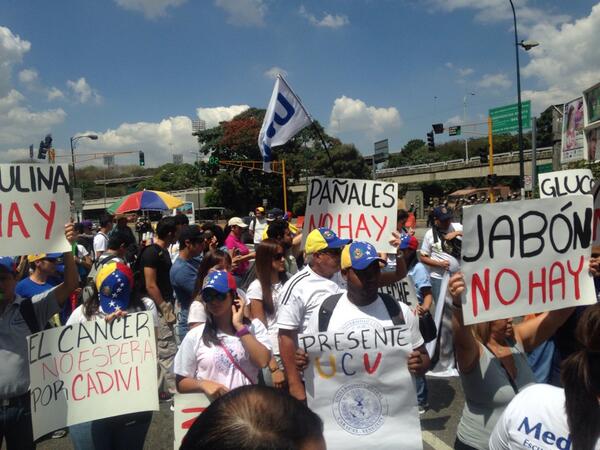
x: 236, y: 221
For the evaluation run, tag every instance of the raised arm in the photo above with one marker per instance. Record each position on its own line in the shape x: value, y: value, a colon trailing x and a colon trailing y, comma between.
x: 465, y: 345
x: 531, y: 333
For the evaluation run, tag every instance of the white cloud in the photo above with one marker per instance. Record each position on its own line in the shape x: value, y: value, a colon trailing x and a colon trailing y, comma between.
x: 327, y: 21
x: 494, y: 80
x: 12, y: 49
x: 566, y: 62
x: 158, y: 140
x: 19, y: 124
x: 499, y: 10
x: 83, y: 92
x: 212, y: 116
x: 54, y: 94
x: 28, y: 76
x: 465, y: 72
x: 274, y: 71
x: 151, y: 9
x: 354, y: 115
x: 244, y: 12
x: 454, y: 120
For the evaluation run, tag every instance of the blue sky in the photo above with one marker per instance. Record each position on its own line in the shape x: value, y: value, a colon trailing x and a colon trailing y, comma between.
x: 137, y: 71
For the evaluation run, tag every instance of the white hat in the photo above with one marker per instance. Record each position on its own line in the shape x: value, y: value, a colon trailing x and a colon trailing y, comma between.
x: 236, y: 221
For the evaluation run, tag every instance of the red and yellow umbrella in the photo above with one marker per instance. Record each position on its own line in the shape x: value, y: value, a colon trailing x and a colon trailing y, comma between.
x: 145, y: 201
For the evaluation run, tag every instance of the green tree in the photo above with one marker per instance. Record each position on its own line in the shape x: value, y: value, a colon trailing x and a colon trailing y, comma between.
x: 171, y: 177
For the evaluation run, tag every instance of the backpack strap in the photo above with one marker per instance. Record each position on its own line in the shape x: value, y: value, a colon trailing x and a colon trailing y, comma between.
x: 26, y: 309
x: 326, y: 310
x: 393, y: 309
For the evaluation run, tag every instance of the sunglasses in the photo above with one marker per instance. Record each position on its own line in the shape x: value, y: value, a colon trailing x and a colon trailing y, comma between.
x: 212, y: 295
x: 278, y: 256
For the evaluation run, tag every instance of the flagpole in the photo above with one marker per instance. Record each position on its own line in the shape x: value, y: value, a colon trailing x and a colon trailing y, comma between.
x: 284, y: 185
x: 312, y: 121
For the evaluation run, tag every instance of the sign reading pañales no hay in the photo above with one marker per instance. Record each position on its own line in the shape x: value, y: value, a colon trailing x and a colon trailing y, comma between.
x: 355, y: 209
x: 357, y: 381
x: 565, y: 182
x: 527, y: 257
x: 34, y: 207
x: 92, y: 370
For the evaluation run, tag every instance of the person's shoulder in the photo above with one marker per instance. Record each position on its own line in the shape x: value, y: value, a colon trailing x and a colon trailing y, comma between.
x: 541, y: 390
x: 77, y: 316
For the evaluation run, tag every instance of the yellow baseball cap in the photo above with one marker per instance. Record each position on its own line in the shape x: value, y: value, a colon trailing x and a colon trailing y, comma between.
x: 322, y: 238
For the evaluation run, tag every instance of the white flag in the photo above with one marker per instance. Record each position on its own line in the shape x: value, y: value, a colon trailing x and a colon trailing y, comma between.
x: 285, y: 117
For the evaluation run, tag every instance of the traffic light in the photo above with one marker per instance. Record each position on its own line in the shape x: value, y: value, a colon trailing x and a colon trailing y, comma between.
x: 483, y: 156
x: 438, y: 128
x: 213, y: 165
x: 142, y: 159
x: 430, y: 141
x: 42, y: 150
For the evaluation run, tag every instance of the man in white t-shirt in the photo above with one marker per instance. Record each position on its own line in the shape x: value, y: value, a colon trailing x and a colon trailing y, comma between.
x: 303, y: 293
x: 257, y: 225
x: 362, y: 304
x: 101, y: 238
x: 436, y: 248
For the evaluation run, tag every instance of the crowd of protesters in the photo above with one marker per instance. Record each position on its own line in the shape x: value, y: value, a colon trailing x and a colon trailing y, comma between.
x: 239, y: 346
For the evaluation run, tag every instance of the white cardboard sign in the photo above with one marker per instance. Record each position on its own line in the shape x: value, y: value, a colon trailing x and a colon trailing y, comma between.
x: 362, y: 210
x: 565, y: 182
x: 403, y: 291
x: 34, y: 207
x: 527, y: 257
x: 187, y: 409
x: 357, y: 381
x: 92, y: 370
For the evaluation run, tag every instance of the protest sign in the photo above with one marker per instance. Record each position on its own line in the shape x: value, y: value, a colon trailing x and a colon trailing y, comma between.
x: 34, y: 207
x: 527, y: 257
x: 403, y: 290
x: 355, y: 209
x: 565, y: 182
x: 187, y: 409
x: 358, y: 382
x: 92, y: 370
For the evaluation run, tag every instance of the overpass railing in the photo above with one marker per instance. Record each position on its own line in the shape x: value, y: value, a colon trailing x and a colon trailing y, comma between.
x: 453, y: 164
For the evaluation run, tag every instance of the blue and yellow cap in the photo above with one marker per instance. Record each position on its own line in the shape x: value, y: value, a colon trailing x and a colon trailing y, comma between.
x: 322, y: 238
x: 359, y: 255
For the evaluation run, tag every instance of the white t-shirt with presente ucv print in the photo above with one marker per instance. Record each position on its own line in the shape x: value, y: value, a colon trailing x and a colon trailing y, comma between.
x: 196, y: 360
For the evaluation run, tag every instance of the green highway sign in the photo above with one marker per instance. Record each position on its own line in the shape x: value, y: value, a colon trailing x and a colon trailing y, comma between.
x: 544, y: 168
x: 505, y: 118
x: 454, y: 131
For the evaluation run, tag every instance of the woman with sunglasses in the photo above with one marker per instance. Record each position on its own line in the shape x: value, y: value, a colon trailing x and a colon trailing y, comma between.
x: 264, y: 294
x: 228, y: 350
x: 115, y: 296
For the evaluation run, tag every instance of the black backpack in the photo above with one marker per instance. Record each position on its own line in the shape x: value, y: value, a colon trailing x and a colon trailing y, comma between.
x: 329, y: 304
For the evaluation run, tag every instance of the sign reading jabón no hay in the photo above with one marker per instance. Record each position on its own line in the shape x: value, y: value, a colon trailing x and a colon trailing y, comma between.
x: 357, y: 381
x: 355, y: 209
x: 526, y: 257
x: 34, y: 207
x: 92, y: 370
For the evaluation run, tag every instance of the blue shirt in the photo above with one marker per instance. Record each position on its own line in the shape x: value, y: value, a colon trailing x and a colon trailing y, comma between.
x: 27, y: 288
x: 419, y: 275
x: 183, y: 276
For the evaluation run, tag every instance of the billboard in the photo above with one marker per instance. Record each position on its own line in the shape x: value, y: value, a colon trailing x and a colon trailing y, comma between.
x: 572, y: 132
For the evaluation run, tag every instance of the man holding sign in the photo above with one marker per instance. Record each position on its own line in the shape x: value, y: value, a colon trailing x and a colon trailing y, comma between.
x: 361, y: 347
x: 20, y: 317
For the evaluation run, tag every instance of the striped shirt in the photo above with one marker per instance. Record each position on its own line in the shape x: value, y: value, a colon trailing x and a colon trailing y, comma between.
x: 302, y: 295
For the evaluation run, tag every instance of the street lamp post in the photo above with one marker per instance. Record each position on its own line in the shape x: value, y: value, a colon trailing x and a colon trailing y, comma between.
x: 526, y: 46
x: 74, y: 140
x: 464, y: 122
